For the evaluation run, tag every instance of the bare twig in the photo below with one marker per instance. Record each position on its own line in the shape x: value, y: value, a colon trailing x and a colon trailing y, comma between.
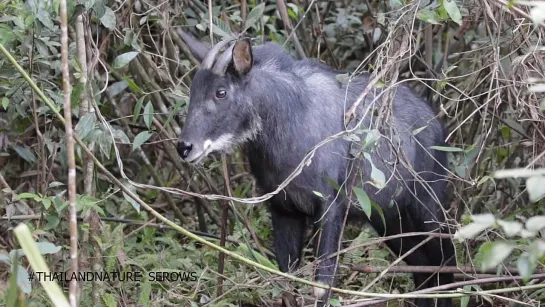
x: 84, y: 103
x: 243, y: 13
x: 224, y: 224
x: 69, y: 154
x: 146, y: 161
x: 349, y: 115
x: 4, y: 184
x: 211, y: 25
x: 382, y: 273
x: 481, y: 281
x: 282, y: 9
x: 514, y: 10
x: 41, y: 167
x: 88, y: 167
x: 431, y: 269
x: 125, y: 221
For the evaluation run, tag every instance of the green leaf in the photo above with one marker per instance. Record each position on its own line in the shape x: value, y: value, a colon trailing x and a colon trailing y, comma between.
x: 495, y: 253
x: 469, y: 231
x: 483, y: 180
x: 292, y: 10
x: 245, y: 250
x: 519, y: 172
x: 464, y: 301
x: 220, y: 32
x: 395, y: 4
x: 55, y: 184
x: 342, y: 78
x: 121, y: 136
x: 417, y: 131
x: 220, y: 28
x: 175, y: 111
x: 505, y: 132
x: 23, y: 280
x: 131, y: 188
x: 537, y: 88
x: 132, y: 85
x: 485, y: 218
x: 254, y: 15
x: 535, y: 223
x: 45, y: 18
x: 380, y: 213
x: 38, y: 264
x: 479, y: 224
x: 352, y: 137
x: 5, y: 103
x: 5, y: 259
x: 428, y: 16
x: 85, y: 125
x: 511, y: 228
x: 46, y: 202
x: 118, y: 87
x: 12, y: 293
x: 76, y: 93
x: 109, y: 299
x: 145, y: 293
x: 363, y: 199
x: 105, y: 143
x: 25, y: 153
x: 137, y: 109
x: 335, y: 302
x: 47, y: 248
x: 448, y: 149
x: 318, y: 194
x: 335, y: 185
x: 377, y: 176
x: 536, y: 187
x: 453, y: 11
x: 123, y: 59
x: 371, y: 138
x: 140, y: 139
x: 537, y: 12
x: 148, y: 114
x: 108, y: 19
x: 536, y: 250
x: 29, y: 195
x: 88, y: 202
x: 52, y: 222
x: 526, y: 265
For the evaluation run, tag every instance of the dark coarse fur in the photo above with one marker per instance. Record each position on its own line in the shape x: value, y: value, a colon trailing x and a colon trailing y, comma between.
x: 281, y: 109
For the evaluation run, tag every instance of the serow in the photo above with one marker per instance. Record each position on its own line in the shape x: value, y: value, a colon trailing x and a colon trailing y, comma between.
x: 279, y: 108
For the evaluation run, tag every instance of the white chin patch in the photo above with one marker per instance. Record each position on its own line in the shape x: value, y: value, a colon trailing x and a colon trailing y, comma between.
x: 223, y: 142
x: 207, y: 144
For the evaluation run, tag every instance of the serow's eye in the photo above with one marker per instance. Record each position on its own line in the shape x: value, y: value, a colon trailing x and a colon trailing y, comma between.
x: 220, y: 94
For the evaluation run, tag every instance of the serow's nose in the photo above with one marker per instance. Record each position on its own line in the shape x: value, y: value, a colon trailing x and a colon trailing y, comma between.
x: 184, y: 149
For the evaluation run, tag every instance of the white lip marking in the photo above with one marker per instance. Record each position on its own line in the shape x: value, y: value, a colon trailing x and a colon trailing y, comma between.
x: 223, y: 142
x: 207, y: 144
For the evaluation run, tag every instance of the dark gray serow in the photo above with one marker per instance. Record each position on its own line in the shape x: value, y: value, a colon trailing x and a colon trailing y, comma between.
x: 280, y: 108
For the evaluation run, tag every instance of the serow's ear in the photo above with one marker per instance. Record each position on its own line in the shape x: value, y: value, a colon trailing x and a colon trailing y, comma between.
x: 242, y: 56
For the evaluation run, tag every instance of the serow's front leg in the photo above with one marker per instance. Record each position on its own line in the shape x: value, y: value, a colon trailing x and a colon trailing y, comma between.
x: 289, y: 234
x: 332, y: 225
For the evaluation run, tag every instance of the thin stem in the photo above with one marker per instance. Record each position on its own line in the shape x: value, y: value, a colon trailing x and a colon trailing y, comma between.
x: 69, y: 155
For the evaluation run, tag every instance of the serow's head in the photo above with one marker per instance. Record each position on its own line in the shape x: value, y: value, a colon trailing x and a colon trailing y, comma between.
x: 220, y: 113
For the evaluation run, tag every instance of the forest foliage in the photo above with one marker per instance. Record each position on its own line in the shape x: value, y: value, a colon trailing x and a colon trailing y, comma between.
x: 481, y: 64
